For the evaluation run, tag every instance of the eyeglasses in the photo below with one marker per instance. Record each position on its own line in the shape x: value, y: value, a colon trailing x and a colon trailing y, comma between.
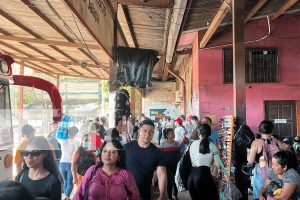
x: 35, y: 153
x: 111, y: 151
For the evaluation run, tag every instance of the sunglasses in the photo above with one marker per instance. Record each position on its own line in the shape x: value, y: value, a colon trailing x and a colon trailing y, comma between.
x: 32, y: 153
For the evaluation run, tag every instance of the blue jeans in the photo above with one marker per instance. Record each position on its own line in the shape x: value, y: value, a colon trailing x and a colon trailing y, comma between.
x: 66, y: 173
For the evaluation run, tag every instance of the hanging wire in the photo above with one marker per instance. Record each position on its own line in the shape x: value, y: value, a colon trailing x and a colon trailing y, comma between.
x: 87, y: 46
x: 246, y: 42
x: 71, y: 31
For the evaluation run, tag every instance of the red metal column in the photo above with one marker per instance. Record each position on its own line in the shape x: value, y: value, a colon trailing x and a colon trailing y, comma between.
x: 132, y: 100
x: 21, y: 97
x: 141, y: 100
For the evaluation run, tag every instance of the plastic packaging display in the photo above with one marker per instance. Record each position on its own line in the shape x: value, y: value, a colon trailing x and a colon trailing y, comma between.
x: 62, y: 130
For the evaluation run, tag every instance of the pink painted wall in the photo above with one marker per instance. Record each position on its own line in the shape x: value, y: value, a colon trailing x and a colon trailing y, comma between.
x: 214, y: 96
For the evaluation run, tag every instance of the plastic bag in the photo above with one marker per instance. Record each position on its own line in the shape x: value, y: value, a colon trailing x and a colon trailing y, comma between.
x: 228, y: 191
x: 62, y: 130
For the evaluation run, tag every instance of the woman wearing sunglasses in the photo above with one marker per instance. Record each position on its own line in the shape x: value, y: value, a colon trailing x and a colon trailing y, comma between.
x: 40, y: 174
x: 109, y: 179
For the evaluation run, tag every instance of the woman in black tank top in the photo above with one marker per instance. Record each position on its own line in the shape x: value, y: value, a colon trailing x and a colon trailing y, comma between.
x: 83, y: 158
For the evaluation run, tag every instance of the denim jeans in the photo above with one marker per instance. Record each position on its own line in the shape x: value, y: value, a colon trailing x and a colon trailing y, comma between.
x: 66, y: 173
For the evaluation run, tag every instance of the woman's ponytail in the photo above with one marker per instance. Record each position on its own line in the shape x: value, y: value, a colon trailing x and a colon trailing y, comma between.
x: 205, y: 132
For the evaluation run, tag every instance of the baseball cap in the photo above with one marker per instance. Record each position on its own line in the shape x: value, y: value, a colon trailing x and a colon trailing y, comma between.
x: 179, y: 120
x: 189, y: 117
x: 296, y: 139
x: 27, y: 129
x: 287, y: 141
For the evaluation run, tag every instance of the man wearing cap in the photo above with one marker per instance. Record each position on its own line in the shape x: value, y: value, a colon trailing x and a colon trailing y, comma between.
x: 142, y: 158
x: 27, y: 133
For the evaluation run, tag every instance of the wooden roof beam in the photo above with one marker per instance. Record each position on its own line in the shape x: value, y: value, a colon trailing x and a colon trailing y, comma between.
x: 254, y: 10
x: 31, y: 56
x: 56, y: 28
x: 149, y: 3
x: 36, y: 68
x: 22, y: 52
x: 48, y: 42
x: 61, y: 62
x: 21, y: 26
x: 284, y: 8
x: 221, y: 14
x: 123, y: 11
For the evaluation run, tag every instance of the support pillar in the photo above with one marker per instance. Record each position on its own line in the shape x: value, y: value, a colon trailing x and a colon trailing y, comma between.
x: 239, y: 90
x: 239, y: 86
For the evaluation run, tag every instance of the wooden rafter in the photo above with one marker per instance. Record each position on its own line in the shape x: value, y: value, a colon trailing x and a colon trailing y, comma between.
x: 48, y: 42
x: 29, y: 55
x: 123, y: 11
x: 17, y: 23
x: 254, y: 10
x: 57, y: 29
x: 149, y: 3
x: 284, y: 8
x: 221, y: 14
x: 36, y: 67
x: 61, y: 62
x: 24, y: 53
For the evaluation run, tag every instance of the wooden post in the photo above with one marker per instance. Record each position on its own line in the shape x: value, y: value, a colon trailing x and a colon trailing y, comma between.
x: 239, y: 86
x: 239, y: 89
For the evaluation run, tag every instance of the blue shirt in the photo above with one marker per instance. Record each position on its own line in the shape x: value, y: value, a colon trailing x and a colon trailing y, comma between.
x: 214, y: 137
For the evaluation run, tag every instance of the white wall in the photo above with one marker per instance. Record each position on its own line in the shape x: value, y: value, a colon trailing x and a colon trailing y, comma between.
x: 161, y: 96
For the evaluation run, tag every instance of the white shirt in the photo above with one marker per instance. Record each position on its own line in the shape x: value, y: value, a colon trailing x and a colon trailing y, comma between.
x: 178, y: 133
x: 67, y: 148
x: 199, y: 159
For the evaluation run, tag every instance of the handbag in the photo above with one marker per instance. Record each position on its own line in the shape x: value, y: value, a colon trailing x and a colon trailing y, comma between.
x: 183, y: 171
x: 185, y: 167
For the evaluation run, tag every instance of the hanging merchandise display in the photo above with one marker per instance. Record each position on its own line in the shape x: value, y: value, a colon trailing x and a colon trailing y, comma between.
x: 226, y: 137
x: 62, y: 130
x: 227, y: 187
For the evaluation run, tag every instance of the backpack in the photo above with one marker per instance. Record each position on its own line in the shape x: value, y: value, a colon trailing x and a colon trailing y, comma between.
x: 269, y: 148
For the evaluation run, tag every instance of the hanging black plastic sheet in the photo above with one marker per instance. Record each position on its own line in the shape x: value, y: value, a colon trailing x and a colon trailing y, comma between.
x: 135, y: 66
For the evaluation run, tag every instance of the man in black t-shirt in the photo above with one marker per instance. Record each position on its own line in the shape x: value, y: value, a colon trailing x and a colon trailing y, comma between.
x: 143, y: 158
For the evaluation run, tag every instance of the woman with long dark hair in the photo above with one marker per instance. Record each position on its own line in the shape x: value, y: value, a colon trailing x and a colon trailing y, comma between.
x: 200, y: 183
x: 261, y: 153
x: 83, y: 158
x: 40, y: 174
x: 109, y: 179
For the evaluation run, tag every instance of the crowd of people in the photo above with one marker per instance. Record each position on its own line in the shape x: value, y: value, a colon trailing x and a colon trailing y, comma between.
x: 120, y: 163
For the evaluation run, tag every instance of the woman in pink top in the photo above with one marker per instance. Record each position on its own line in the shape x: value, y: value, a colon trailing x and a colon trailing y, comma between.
x: 109, y: 179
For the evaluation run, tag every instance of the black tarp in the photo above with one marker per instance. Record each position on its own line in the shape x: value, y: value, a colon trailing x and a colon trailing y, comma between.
x: 135, y: 66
